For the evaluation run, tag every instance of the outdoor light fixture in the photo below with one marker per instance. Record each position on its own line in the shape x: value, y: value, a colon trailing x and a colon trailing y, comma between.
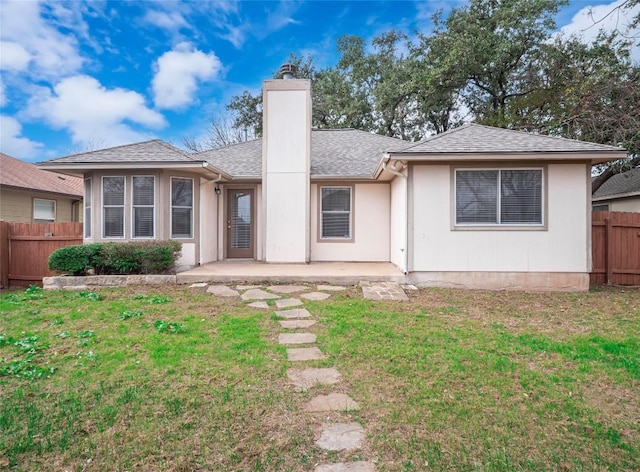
x: 217, y: 190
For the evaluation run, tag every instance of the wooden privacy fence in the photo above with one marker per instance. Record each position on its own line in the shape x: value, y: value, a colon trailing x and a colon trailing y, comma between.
x: 25, y: 249
x: 615, y: 246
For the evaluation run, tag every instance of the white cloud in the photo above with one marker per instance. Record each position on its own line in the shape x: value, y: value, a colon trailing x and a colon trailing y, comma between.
x: 168, y: 20
x: 53, y: 54
x: 587, y: 23
x: 178, y: 72
x: 13, y: 143
x: 91, y: 112
x: 3, y: 95
x: 14, y: 56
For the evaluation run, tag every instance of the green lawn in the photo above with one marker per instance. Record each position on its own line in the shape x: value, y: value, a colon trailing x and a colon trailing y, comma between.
x: 142, y: 379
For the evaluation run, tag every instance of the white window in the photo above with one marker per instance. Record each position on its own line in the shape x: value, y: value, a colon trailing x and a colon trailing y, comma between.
x: 44, y: 211
x: 143, y: 200
x: 87, y: 207
x: 181, y: 208
x: 335, y: 209
x: 508, y: 197
x: 113, y: 195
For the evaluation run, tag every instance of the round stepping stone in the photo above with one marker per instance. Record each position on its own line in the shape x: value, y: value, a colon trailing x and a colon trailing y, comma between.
x: 308, y: 378
x: 288, y: 302
x: 332, y: 402
x: 258, y: 294
x: 331, y: 288
x: 298, y: 354
x: 296, y: 324
x: 222, y: 291
x: 261, y: 305
x: 286, y: 288
x: 294, y: 314
x: 296, y: 338
x: 359, y: 466
x: 341, y: 436
x: 315, y: 296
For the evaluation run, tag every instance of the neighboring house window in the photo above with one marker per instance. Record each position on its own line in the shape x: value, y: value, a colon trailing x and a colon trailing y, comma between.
x: 600, y: 207
x: 498, y: 197
x: 88, y: 191
x: 335, y: 209
x: 143, y: 206
x: 113, y: 189
x: 181, y: 208
x: 44, y: 211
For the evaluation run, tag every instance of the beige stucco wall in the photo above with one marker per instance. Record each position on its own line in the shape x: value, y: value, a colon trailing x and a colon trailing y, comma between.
x: 398, y: 223
x: 624, y: 204
x: 191, y: 247
x: 17, y: 206
x: 371, y: 219
x: 562, y: 247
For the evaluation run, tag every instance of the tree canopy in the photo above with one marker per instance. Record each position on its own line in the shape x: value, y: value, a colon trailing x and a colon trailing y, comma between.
x: 496, y: 62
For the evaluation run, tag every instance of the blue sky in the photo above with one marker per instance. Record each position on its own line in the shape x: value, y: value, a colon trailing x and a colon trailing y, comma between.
x: 78, y: 75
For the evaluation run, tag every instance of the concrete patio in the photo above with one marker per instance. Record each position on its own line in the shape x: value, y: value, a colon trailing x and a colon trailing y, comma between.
x: 253, y: 271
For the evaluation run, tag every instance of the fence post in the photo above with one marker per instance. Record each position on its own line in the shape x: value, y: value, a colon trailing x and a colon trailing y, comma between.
x: 608, y: 240
x: 4, y: 254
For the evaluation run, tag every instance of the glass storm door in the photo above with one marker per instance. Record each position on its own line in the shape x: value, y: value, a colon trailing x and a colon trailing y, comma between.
x: 239, y: 223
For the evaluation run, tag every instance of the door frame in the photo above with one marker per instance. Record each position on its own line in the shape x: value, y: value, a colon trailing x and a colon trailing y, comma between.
x: 251, y: 252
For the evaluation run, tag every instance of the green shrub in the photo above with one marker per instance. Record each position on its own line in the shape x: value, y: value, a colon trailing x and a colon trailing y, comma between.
x: 74, y: 260
x: 136, y: 257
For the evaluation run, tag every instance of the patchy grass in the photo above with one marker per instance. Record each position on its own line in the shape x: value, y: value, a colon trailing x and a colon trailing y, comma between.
x: 129, y: 379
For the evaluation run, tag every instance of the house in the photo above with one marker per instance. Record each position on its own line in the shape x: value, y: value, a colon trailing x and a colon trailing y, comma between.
x: 29, y: 194
x: 474, y: 207
x: 620, y: 193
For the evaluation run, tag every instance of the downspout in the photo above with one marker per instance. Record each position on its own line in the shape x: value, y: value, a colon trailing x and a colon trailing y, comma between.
x: 206, y: 184
x: 397, y: 172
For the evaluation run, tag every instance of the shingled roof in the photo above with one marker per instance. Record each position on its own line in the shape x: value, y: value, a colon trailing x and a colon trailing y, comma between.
x: 147, y: 151
x: 334, y: 153
x: 23, y: 175
x: 624, y: 183
x: 474, y: 138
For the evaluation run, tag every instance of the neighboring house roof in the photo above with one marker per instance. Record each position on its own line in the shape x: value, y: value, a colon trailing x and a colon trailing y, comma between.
x: 619, y: 185
x: 474, y: 138
x: 334, y: 153
x: 24, y: 175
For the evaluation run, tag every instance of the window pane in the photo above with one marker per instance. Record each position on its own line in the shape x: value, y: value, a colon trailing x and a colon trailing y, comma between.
x: 143, y: 222
x: 87, y: 193
x: 143, y: 190
x: 336, y: 199
x: 335, y: 225
x: 476, y: 196
x: 114, y: 222
x: 44, y: 210
x: 521, y: 196
x: 181, y: 192
x: 181, y: 223
x: 113, y: 191
x: 87, y: 222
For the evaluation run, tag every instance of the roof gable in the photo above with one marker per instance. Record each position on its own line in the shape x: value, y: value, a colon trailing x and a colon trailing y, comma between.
x: 20, y: 174
x: 475, y: 138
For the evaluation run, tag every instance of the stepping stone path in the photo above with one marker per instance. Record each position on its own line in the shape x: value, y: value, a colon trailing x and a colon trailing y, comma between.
x: 297, y: 338
x: 383, y: 291
x: 332, y: 436
x: 288, y: 302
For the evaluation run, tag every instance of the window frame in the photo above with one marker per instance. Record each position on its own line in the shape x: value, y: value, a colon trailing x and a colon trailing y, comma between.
x: 333, y: 239
x: 542, y: 226
x: 42, y: 220
x: 134, y: 206
x: 123, y: 206
x: 171, y: 207
x: 88, y: 206
x: 598, y: 204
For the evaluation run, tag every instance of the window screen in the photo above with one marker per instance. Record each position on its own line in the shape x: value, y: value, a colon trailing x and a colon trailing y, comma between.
x: 181, y: 208
x: 113, y: 207
x: 336, y: 212
x: 499, y: 197
x: 143, y: 206
x: 44, y: 211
